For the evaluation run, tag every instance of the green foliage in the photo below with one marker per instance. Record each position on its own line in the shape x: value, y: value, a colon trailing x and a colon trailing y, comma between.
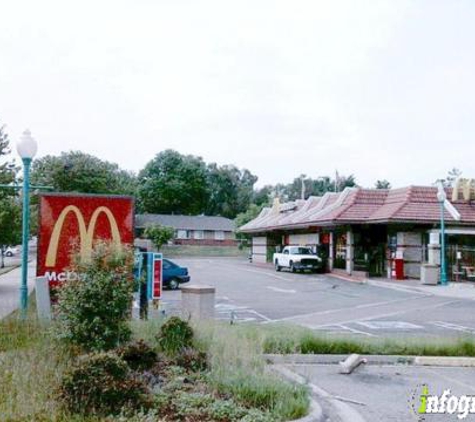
x: 192, y: 359
x: 184, y: 184
x: 251, y: 213
x: 173, y: 183
x: 175, y: 335
x: 313, y: 187
x: 76, y: 171
x: 451, y: 178
x: 10, y: 209
x: 138, y: 355
x: 231, y: 190
x: 200, y: 406
x: 159, y: 235
x: 8, y: 169
x: 288, y: 340
x: 10, y: 222
x: 101, y: 383
x: 93, y: 310
x: 382, y: 184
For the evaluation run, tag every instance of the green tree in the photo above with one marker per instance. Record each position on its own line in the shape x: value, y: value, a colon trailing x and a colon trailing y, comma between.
x: 313, y: 187
x: 230, y: 190
x: 382, y: 184
x: 8, y: 169
x: 450, y: 179
x: 10, y: 210
x: 263, y: 196
x: 10, y: 224
x: 250, y: 214
x: 174, y: 183
x: 159, y: 235
x: 76, y: 171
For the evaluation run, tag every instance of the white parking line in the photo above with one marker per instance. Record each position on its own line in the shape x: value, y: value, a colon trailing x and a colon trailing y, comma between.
x: 277, y: 289
x: 456, y: 327
x: 259, y: 315
x: 355, y: 331
x: 348, y: 309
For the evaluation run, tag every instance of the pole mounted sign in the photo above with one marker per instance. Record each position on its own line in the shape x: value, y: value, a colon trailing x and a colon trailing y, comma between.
x: 155, y: 275
x: 69, y: 223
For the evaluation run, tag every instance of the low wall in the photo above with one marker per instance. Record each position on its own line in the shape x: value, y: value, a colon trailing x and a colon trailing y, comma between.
x: 206, y: 242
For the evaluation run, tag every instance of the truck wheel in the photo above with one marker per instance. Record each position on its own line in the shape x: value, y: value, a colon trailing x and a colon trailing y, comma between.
x: 292, y: 267
x: 277, y: 266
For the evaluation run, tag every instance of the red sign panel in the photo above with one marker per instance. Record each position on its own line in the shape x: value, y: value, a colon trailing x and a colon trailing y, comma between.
x: 157, y: 276
x: 69, y: 223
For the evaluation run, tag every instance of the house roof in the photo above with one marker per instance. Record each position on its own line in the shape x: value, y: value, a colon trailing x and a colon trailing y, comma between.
x: 413, y: 204
x: 185, y: 222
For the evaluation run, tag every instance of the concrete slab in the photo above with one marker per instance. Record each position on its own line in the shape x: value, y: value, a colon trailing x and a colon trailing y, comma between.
x: 389, y: 393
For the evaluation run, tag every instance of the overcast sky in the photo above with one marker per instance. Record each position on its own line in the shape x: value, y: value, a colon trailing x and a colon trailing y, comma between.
x: 379, y: 89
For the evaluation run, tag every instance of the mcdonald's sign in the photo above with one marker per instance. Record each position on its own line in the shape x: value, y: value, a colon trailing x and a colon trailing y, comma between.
x: 68, y: 222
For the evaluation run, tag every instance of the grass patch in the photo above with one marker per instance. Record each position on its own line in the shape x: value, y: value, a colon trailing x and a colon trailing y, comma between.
x: 237, y: 385
x: 182, y: 251
x: 288, y: 340
x: 237, y: 369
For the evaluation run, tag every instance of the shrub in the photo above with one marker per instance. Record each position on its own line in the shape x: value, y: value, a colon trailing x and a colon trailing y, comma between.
x: 138, y: 355
x: 192, y: 359
x: 175, y: 335
x: 93, y: 310
x: 100, y: 383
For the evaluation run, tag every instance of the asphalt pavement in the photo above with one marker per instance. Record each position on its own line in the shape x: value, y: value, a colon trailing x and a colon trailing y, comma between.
x: 250, y: 293
x: 387, y: 393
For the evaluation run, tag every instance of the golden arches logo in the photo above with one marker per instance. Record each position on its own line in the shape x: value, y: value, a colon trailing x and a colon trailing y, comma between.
x: 85, y: 233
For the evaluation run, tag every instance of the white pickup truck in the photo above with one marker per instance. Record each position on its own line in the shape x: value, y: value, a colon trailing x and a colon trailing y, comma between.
x: 297, y: 258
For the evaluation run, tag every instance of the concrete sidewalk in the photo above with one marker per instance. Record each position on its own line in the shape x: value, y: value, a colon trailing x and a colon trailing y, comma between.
x: 454, y: 290
x: 10, y: 288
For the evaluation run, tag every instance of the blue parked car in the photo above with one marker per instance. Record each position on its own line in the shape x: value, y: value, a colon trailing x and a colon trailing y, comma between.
x: 174, y: 275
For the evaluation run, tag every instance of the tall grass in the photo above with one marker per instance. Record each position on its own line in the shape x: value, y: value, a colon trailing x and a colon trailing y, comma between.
x: 289, y: 339
x: 238, y: 368
x: 30, y: 369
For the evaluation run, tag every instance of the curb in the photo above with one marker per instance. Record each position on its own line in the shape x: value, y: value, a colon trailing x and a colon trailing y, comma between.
x: 299, y: 359
x: 345, y: 413
x: 316, y: 412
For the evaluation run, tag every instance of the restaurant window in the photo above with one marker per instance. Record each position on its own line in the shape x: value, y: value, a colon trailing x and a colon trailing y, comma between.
x: 219, y: 235
x: 199, y: 234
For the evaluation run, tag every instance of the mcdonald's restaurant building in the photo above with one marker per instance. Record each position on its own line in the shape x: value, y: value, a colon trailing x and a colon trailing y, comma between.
x: 365, y: 231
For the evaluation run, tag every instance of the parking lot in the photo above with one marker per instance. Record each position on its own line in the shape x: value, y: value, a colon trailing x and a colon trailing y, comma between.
x: 251, y: 293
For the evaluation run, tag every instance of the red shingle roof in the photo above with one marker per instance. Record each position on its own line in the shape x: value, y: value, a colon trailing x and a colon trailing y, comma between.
x: 413, y: 204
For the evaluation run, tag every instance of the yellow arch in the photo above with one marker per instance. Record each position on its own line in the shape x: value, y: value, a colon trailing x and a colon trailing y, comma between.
x: 92, y: 227
x: 86, y: 235
x: 58, y: 227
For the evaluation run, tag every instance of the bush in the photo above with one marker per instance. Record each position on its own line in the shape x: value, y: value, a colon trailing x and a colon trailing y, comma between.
x: 138, y: 355
x: 192, y: 359
x: 93, y: 310
x: 100, y: 383
x: 175, y: 335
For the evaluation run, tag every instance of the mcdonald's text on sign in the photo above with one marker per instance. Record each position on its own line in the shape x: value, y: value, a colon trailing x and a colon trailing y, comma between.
x: 69, y: 223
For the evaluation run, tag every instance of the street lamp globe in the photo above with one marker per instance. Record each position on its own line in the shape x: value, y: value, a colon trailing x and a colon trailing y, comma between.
x: 27, y: 146
x: 441, y: 195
